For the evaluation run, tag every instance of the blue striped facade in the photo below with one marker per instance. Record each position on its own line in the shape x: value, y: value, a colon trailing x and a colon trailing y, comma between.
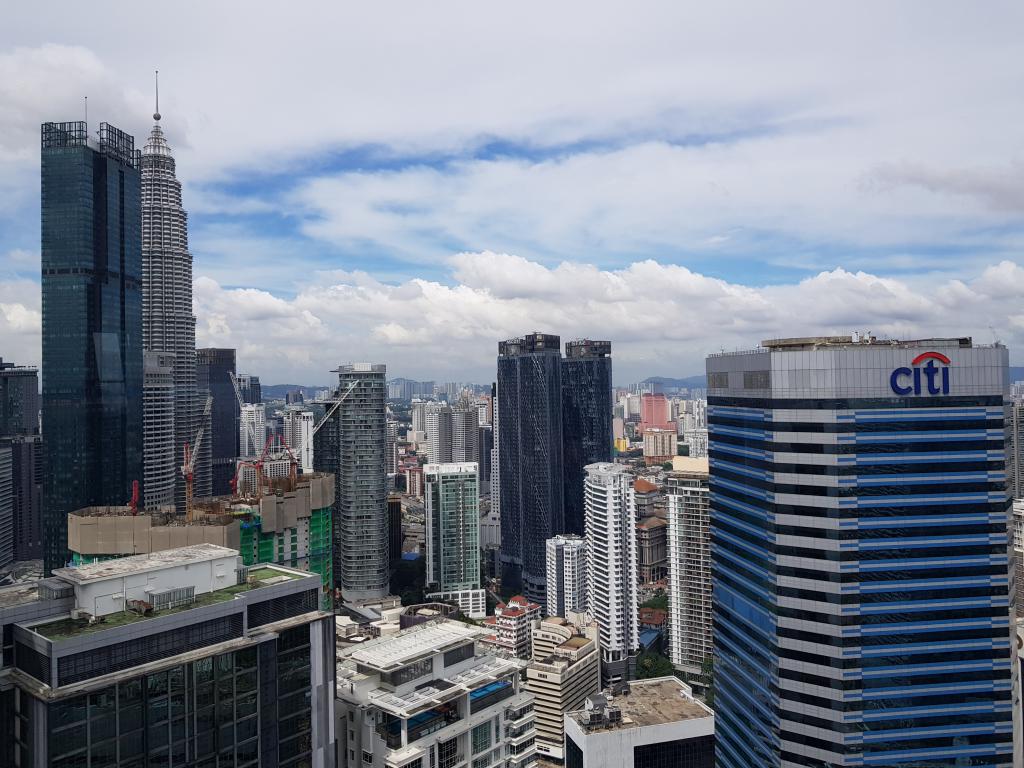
x: 862, y: 582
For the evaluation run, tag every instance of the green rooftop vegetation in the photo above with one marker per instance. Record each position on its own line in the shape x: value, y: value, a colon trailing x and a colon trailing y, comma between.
x: 62, y: 629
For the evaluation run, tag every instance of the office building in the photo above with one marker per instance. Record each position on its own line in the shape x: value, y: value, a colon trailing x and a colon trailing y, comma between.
x: 530, y: 458
x: 485, y: 450
x: 586, y: 419
x: 180, y: 658
x: 655, y: 412
x: 566, y: 557
x: 612, y: 568
x: 7, y: 520
x: 297, y: 431
x: 438, y: 418
x: 168, y: 325
x: 395, y: 537
x: 689, y: 568
x: 657, y: 724
x: 453, y: 537
x: 1015, y: 449
x: 1018, y: 553
x: 249, y: 387
x: 418, y: 413
x: 465, y: 434
x: 294, y: 397
x: 214, y: 369
x: 838, y: 534
x: 564, y: 671
x: 19, y: 399
x: 27, y: 491
x: 431, y: 695
x: 351, y: 445
x: 252, y: 429
x: 92, y: 323
x: 696, y: 442
x: 660, y: 445
x: 414, y: 481
x: 511, y: 625
x: 159, y: 461
x: 652, y: 549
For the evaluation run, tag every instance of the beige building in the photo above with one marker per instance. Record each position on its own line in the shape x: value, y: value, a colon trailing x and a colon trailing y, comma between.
x: 660, y: 445
x: 566, y: 668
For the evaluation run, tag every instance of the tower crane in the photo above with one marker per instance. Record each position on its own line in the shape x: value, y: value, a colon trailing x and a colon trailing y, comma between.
x: 335, y: 403
x: 189, y: 465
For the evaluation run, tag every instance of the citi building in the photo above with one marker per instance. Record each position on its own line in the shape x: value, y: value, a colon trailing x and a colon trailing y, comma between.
x: 861, y: 545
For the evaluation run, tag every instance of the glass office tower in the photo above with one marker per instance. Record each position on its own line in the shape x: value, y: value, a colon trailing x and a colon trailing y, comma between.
x: 529, y: 458
x: 92, y: 323
x: 861, y: 554
x: 586, y: 419
x: 214, y: 367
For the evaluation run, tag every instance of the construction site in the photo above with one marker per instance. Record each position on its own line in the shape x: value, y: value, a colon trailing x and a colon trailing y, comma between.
x: 276, y: 520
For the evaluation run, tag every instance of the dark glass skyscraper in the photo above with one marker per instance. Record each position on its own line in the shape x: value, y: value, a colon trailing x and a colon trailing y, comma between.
x: 19, y: 399
x: 529, y: 458
x: 212, y: 371
x: 586, y: 419
x: 863, y: 590
x: 92, y: 323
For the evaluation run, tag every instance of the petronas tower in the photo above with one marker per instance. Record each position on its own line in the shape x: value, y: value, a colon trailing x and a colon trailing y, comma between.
x: 168, y: 325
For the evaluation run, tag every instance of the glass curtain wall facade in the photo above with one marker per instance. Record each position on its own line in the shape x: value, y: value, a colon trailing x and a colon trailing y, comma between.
x: 862, y: 580
x: 351, y: 445
x: 529, y: 458
x: 586, y: 419
x: 453, y: 527
x: 92, y: 323
x: 213, y: 366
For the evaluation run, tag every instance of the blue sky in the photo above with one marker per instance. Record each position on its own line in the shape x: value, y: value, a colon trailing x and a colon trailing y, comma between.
x: 410, y: 184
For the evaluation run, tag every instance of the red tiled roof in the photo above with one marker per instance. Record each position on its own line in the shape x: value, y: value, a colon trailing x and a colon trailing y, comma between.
x: 644, y: 486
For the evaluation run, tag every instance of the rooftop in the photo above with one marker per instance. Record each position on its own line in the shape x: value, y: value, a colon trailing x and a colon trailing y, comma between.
x: 63, y: 628
x: 649, y: 702
x: 19, y: 594
x: 387, y: 653
x: 107, y: 569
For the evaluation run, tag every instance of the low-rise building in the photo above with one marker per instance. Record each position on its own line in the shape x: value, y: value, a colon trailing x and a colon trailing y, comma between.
x: 511, y: 626
x: 650, y: 724
x: 432, y: 696
x: 565, y: 670
x: 652, y: 542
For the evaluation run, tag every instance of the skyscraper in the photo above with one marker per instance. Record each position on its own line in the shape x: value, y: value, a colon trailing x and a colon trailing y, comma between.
x: 351, y: 445
x: 252, y: 429
x: 438, y: 422
x: 159, y: 461
x: 250, y: 388
x: 92, y: 323
x: 465, y: 434
x: 689, y: 568
x: 612, y: 565
x: 168, y: 325
x: 453, y: 536
x: 19, y: 399
x: 27, y: 479
x: 567, y: 574
x: 863, y: 589
x: 586, y: 419
x: 297, y: 429
x: 7, y: 533
x: 1015, y: 468
x: 529, y: 458
x: 214, y: 367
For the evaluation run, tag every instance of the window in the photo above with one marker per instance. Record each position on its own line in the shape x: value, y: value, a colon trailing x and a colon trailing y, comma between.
x: 482, y: 737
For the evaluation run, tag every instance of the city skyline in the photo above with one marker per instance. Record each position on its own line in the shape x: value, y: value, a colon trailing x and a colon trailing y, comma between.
x: 762, y: 196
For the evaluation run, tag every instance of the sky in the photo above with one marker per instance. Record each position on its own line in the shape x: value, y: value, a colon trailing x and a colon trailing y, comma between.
x: 409, y: 183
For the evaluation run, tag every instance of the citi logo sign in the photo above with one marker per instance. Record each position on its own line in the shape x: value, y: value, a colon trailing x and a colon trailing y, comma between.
x: 917, y: 378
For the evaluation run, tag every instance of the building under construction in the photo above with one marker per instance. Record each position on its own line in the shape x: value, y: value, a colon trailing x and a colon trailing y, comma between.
x: 288, y: 523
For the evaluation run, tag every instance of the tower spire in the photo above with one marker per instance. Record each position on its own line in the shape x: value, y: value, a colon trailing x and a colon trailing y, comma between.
x: 156, y: 81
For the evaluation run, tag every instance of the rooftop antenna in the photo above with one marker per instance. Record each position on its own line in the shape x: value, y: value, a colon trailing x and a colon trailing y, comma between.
x: 86, y: 100
x: 156, y: 80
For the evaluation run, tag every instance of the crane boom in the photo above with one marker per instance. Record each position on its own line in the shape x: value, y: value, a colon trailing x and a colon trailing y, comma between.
x: 189, y: 465
x: 336, y: 402
x: 248, y: 424
x: 200, y: 433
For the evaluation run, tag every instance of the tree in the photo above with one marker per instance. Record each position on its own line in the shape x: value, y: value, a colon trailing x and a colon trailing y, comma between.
x: 660, y: 600
x: 653, y: 664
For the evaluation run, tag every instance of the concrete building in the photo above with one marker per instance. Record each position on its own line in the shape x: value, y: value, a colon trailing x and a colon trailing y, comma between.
x: 1018, y: 553
x: 91, y: 322
x: 689, y: 567
x: 351, y: 446
x: 564, y: 671
x: 252, y: 429
x: 612, y: 568
x: 567, y: 574
x: 652, y: 548
x: 837, y: 532
x: 249, y: 387
x: 19, y: 399
x: 647, y: 496
x: 438, y: 417
x: 27, y: 491
x: 7, y: 518
x: 159, y: 462
x: 655, y: 412
x: 696, y: 442
x: 430, y: 695
x: 657, y: 724
x: 168, y: 325
x: 1015, y: 449
x: 414, y: 482
x: 172, y: 658
x: 529, y: 436
x: 660, y: 445
x: 297, y: 429
x: 465, y: 434
x: 453, y: 537
x: 511, y: 626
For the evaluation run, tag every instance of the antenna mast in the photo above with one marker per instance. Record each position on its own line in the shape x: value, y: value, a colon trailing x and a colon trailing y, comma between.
x: 156, y: 81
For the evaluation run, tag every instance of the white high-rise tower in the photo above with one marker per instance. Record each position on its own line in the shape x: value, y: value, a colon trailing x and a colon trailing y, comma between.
x: 168, y: 325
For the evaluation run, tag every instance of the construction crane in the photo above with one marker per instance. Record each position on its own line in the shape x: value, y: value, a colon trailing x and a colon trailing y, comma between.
x: 335, y: 403
x: 189, y: 465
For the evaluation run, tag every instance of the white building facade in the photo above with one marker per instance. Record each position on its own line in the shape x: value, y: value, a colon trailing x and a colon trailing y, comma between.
x: 612, y: 567
x: 566, y: 574
x: 252, y: 416
x: 297, y: 429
